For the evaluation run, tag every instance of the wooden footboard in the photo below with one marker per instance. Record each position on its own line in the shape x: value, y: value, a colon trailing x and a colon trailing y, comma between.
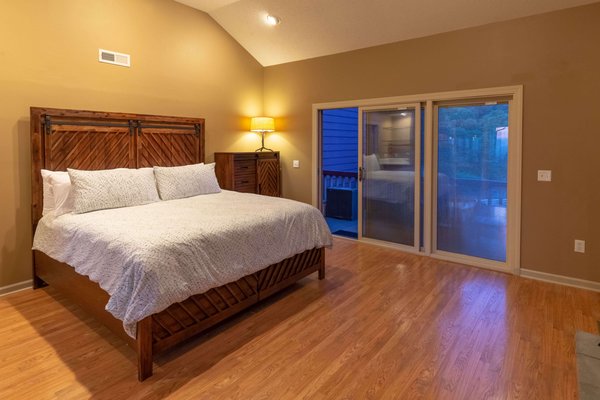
x: 183, y: 320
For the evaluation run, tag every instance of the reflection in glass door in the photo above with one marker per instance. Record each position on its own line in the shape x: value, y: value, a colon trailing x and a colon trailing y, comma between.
x: 389, y: 174
x: 472, y: 165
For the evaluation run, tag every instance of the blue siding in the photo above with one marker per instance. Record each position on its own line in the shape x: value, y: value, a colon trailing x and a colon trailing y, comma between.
x: 339, y: 129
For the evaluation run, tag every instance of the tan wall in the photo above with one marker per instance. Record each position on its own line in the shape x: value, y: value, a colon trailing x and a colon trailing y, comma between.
x: 555, y: 56
x: 183, y: 63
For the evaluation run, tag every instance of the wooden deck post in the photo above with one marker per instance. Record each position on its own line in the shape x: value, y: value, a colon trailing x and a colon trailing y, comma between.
x: 144, y: 348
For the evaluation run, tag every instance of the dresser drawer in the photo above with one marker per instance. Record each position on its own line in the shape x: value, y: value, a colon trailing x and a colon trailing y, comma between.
x: 243, y: 181
x: 245, y: 188
x: 244, y: 167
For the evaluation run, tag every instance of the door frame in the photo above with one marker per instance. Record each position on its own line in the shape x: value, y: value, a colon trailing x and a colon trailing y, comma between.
x: 513, y: 239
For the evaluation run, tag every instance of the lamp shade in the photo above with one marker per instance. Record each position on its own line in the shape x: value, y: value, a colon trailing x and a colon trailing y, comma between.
x: 262, y: 124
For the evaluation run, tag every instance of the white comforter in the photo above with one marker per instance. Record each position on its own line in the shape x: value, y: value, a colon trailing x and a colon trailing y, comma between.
x: 148, y: 257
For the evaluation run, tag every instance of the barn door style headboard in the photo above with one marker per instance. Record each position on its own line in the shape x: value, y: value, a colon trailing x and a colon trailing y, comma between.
x: 94, y: 140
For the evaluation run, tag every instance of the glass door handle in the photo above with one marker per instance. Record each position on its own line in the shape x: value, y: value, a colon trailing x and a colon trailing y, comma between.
x: 360, y: 173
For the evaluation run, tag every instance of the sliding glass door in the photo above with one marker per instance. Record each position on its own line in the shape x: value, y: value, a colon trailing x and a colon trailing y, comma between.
x: 436, y: 174
x: 389, y: 174
x: 471, y: 154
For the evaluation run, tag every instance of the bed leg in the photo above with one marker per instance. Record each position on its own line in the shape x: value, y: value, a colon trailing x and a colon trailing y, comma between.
x: 38, y: 283
x: 144, y: 348
x: 322, y: 266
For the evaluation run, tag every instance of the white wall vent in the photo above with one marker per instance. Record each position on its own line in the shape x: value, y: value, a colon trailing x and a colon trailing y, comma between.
x: 112, y: 57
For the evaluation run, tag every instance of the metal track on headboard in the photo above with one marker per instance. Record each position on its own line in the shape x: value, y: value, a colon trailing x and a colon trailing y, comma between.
x: 93, y: 140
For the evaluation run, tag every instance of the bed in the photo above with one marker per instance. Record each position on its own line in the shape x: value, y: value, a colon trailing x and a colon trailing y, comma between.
x: 89, y: 140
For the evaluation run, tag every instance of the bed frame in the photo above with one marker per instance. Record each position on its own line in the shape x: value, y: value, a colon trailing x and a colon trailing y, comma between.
x: 62, y: 139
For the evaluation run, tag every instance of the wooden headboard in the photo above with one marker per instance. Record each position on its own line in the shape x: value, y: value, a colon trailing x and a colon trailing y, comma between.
x: 93, y: 140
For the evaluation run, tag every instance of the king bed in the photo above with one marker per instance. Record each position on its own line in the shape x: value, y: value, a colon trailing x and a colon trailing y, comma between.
x: 157, y: 274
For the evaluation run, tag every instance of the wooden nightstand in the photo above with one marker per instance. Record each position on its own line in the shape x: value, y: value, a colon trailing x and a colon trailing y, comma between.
x: 249, y: 172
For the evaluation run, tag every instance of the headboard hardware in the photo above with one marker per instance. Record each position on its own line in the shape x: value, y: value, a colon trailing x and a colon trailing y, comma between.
x: 47, y: 124
x: 175, y: 127
x: 195, y: 127
x: 132, y: 126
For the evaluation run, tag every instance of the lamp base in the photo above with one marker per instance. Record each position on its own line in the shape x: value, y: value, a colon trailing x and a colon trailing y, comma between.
x: 262, y: 143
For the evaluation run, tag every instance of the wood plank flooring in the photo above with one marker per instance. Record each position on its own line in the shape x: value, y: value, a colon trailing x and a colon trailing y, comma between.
x: 382, y: 325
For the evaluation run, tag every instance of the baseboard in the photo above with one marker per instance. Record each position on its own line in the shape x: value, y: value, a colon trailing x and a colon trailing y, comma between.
x: 15, y: 287
x: 344, y: 237
x: 561, y: 280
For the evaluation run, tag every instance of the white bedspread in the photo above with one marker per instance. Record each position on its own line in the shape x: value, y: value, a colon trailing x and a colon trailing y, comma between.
x: 148, y: 257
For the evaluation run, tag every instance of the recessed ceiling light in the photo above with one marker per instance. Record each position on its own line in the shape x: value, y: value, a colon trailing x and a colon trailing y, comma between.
x: 272, y: 20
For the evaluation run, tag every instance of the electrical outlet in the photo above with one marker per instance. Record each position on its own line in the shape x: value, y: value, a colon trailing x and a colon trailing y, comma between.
x: 296, y: 163
x: 579, y: 246
x: 544, y: 175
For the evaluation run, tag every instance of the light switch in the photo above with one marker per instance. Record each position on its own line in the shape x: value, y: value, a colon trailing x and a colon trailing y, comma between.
x: 579, y: 246
x: 544, y: 175
x: 296, y: 163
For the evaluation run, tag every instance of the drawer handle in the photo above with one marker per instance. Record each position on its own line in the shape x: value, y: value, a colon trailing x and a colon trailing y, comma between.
x: 244, y: 167
x: 244, y: 181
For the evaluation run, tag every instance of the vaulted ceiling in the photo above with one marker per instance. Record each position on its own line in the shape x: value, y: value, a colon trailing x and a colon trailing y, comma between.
x: 313, y: 28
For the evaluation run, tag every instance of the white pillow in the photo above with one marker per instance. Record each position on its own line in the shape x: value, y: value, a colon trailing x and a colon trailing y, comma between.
x: 112, y: 188
x: 372, y: 163
x: 63, y: 195
x: 186, y: 181
x: 49, y: 197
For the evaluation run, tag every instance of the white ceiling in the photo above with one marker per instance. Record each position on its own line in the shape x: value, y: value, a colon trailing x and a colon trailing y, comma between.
x: 313, y: 28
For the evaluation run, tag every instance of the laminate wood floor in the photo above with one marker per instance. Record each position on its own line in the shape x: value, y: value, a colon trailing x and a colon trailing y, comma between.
x: 382, y: 325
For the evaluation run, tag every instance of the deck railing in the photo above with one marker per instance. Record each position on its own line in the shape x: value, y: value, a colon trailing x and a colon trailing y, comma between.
x: 338, y: 179
x: 488, y: 192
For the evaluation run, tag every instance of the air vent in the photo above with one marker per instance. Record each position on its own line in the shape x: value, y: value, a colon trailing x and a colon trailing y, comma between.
x: 112, y: 57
